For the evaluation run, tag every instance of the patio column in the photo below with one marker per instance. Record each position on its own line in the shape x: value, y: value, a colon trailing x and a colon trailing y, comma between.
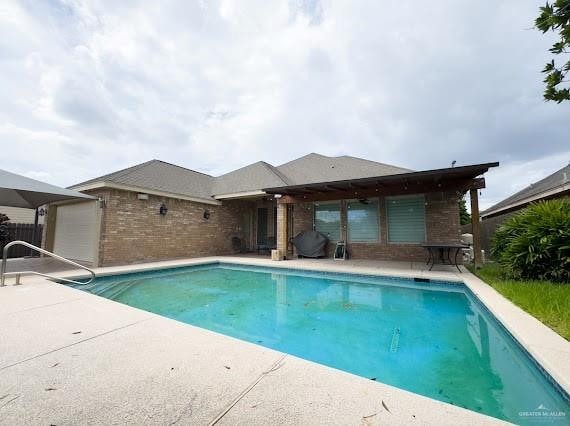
x: 475, y: 226
x: 282, y: 228
x: 49, y: 228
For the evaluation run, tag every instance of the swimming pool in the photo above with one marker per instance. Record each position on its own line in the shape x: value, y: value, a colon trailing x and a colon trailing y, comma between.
x: 431, y: 338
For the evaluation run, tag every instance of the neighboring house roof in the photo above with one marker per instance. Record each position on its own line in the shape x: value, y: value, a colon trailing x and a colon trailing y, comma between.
x: 557, y: 183
x: 314, y: 168
x: 171, y: 180
x: 158, y: 176
x: 250, y: 178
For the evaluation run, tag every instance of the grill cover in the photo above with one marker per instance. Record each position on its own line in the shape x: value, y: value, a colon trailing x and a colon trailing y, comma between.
x: 310, y: 243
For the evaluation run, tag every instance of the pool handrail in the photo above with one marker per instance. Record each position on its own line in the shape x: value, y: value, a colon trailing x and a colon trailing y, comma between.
x: 18, y: 274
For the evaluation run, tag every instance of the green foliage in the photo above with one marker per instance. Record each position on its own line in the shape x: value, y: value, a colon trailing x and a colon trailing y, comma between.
x: 547, y: 301
x: 4, y: 234
x: 556, y: 17
x: 464, y: 216
x: 535, y: 243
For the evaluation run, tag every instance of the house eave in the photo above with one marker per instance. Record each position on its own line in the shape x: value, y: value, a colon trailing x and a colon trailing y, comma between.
x: 521, y: 203
x: 131, y: 188
x: 460, y: 172
x: 458, y: 179
x: 238, y: 195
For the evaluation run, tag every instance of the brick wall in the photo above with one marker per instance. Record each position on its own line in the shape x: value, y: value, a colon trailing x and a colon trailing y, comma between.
x: 133, y: 231
x: 442, y: 225
x: 442, y: 217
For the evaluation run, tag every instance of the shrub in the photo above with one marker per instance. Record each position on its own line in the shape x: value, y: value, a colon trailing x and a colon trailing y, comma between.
x: 536, y: 242
x: 4, y: 234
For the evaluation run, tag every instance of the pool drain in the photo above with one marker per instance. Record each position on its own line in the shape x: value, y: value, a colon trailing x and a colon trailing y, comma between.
x: 395, y: 340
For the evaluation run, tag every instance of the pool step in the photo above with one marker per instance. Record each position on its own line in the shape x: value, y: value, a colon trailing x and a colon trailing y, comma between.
x: 120, y: 288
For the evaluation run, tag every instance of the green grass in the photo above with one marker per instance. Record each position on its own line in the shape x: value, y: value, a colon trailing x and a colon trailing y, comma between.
x: 547, y: 301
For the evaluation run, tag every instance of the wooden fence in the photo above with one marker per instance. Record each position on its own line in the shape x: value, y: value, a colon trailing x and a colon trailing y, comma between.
x: 23, y: 232
x: 488, y: 228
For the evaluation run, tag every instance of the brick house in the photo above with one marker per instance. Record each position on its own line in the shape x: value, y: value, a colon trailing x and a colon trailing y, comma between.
x: 157, y: 211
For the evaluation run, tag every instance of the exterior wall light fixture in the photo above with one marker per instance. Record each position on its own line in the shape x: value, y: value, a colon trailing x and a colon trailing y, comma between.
x: 163, y: 209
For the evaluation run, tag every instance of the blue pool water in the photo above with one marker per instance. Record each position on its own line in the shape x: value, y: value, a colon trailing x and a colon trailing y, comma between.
x: 434, y: 339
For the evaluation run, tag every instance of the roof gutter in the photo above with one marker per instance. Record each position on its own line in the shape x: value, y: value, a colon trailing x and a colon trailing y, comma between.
x: 238, y: 195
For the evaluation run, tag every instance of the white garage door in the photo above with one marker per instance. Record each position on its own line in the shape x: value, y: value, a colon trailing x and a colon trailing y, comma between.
x: 76, y: 231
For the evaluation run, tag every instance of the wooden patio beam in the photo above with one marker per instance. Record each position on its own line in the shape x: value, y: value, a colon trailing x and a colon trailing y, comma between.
x: 313, y: 190
x: 356, y: 186
x: 387, y: 190
x: 335, y: 188
x: 475, y: 226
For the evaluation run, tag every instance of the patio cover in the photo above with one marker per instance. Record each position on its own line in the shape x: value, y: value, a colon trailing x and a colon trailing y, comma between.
x: 20, y: 191
x: 452, y: 178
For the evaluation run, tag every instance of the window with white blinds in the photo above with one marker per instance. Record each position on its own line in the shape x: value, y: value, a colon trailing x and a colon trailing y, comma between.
x: 327, y: 220
x: 406, y: 219
x: 362, y: 217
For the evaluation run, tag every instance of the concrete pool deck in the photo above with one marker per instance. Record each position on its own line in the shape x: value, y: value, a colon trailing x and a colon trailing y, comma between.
x: 69, y: 357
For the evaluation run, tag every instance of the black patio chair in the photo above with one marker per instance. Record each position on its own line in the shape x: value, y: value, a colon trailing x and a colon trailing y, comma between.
x: 265, y: 248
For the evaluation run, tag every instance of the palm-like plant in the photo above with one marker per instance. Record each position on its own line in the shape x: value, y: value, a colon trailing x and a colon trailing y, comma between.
x: 536, y: 242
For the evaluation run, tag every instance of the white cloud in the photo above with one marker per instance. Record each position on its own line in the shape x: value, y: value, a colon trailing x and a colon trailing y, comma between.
x: 98, y: 85
x: 514, y: 176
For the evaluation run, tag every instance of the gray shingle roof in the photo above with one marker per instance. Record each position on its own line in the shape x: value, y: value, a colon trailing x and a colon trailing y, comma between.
x: 250, y: 178
x: 161, y: 176
x: 314, y: 168
x: 551, y: 182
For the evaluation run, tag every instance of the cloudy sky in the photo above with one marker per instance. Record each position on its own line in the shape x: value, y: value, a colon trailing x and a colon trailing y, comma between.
x: 89, y: 87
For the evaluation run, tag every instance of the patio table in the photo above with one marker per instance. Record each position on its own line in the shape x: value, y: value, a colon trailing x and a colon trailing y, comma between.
x: 442, y: 252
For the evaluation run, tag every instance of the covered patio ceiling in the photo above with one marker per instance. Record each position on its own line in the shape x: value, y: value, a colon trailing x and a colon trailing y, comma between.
x: 463, y: 178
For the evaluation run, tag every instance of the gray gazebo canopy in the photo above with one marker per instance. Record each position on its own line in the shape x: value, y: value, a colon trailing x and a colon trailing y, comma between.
x: 20, y: 191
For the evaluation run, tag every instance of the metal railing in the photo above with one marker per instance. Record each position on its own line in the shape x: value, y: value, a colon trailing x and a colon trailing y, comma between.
x: 18, y: 274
